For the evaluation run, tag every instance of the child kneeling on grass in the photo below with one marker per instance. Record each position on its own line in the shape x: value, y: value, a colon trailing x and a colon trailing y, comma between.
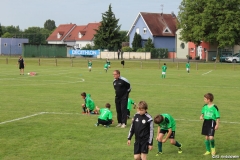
x: 105, y: 117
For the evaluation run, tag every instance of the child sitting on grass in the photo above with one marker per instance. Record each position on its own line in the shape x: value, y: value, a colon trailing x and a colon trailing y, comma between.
x: 105, y: 117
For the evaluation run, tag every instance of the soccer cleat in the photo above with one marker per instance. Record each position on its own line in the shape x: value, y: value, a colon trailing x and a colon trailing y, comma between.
x: 207, y: 153
x: 213, y: 151
x: 107, y: 126
x: 158, y: 153
x: 83, y: 112
x: 96, y: 124
x: 180, y: 149
x: 123, y: 125
x: 119, y: 125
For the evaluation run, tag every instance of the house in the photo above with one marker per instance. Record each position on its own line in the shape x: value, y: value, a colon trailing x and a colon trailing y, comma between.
x: 73, y: 35
x: 12, y: 46
x: 161, y: 28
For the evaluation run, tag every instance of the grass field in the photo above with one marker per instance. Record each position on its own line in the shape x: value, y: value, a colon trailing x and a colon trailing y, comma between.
x: 40, y: 116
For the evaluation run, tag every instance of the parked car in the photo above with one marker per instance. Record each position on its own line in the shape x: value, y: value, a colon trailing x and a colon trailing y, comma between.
x: 222, y: 57
x: 234, y: 58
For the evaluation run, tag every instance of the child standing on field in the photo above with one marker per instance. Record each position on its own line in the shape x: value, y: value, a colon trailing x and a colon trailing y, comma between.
x: 211, y: 116
x: 188, y: 67
x: 109, y: 63
x: 164, y: 70
x: 105, y: 67
x: 166, y: 124
x: 129, y: 106
x: 142, y: 127
x: 105, y: 117
x: 89, y: 65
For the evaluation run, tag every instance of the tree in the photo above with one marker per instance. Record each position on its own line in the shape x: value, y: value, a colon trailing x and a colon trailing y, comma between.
x: 137, y: 42
x: 213, y: 21
x: 149, y: 45
x: 124, y: 37
x: 107, y: 35
x: 7, y: 35
x: 36, y: 35
x: 1, y: 32
x: 50, y: 25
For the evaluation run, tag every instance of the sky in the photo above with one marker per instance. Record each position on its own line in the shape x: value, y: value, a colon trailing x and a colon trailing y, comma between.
x: 34, y: 13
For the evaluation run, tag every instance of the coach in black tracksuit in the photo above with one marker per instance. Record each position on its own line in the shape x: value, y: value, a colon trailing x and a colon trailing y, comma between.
x: 122, y: 88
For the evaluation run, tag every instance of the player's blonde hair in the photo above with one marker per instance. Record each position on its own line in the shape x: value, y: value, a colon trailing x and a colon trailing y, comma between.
x: 142, y: 105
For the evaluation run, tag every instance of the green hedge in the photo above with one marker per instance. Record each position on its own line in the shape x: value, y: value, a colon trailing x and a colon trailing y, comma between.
x: 159, y: 53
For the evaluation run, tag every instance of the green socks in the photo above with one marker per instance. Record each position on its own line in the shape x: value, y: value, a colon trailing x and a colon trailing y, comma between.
x: 212, y: 143
x: 207, y: 143
x: 159, y: 146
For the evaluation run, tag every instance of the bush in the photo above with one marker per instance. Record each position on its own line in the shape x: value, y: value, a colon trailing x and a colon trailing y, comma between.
x: 189, y: 57
x: 159, y: 53
x: 141, y: 50
x: 127, y: 49
x: 197, y: 58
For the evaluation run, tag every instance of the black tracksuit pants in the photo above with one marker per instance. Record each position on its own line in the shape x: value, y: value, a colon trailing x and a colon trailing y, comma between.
x: 121, y: 108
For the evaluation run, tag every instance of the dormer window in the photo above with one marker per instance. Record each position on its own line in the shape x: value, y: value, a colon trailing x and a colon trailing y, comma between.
x: 59, y: 35
x: 80, y: 35
x: 167, y: 30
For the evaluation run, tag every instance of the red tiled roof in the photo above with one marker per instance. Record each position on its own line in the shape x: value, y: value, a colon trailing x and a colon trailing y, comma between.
x: 89, y: 32
x: 158, y: 22
x: 62, y: 29
x: 72, y: 36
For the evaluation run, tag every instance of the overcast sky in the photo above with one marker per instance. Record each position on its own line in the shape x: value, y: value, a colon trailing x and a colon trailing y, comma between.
x: 29, y: 13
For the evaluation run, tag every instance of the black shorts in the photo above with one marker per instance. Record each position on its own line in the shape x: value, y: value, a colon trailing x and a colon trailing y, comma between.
x: 208, y: 128
x: 172, y: 136
x: 141, y: 147
x: 21, y: 66
x: 104, y: 122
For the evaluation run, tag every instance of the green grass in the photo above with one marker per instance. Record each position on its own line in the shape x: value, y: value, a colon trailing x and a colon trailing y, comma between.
x: 59, y: 131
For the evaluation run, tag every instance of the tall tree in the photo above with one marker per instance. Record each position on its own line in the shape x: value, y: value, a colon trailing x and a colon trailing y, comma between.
x: 137, y: 42
x: 107, y: 35
x: 1, y: 32
x: 7, y: 35
x: 50, y: 25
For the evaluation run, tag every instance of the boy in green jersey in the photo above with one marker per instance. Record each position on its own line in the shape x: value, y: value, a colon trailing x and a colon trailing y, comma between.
x: 188, y: 67
x: 89, y: 105
x: 211, y: 116
x: 105, y: 117
x: 164, y: 69
x: 106, y: 67
x: 166, y: 124
x: 129, y: 106
x: 90, y: 65
x: 109, y: 63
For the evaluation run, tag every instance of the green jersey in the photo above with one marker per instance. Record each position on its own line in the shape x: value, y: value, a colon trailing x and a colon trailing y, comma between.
x: 108, y: 62
x: 187, y: 65
x: 89, y: 102
x: 89, y: 64
x: 210, y: 112
x: 164, y: 68
x: 105, y: 114
x: 130, y: 103
x: 168, y: 122
x: 106, y: 65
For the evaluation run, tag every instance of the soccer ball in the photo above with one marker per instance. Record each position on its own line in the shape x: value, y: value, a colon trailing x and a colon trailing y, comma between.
x: 28, y: 73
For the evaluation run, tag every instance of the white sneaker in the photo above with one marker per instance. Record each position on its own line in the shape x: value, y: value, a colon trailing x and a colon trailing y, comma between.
x: 119, y: 125
x: 123, y: 125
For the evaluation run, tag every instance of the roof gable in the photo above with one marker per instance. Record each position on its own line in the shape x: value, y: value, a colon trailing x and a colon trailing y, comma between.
x: 61, y: 32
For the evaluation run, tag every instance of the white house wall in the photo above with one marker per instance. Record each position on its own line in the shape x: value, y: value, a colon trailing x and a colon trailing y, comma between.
x: 180, y: 52
x: 84, y: 43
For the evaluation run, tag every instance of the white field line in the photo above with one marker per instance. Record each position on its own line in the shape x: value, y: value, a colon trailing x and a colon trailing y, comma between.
x: 206, y: 72
x: 61, y: 113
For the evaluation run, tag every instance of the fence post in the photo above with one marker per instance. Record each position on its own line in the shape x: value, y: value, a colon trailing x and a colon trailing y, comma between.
x: 56, y: 61
x: 6, y: 60
x: 141, y: 64
x: 72, y: 62
x: 177, y: 65
x: 158, y: 63
x: 215, y: 66
x: 196, y: 66
x: 39, y: 61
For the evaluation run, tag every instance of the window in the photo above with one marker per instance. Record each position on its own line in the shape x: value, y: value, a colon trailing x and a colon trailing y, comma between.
x: 5, y: 44
x: 59, y: 35
x: 137, y: 30
x: 19, y: 44
x: 182, y: 45
x: 144, y: 30
x: 167, y: 30
x: 80, y: 35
